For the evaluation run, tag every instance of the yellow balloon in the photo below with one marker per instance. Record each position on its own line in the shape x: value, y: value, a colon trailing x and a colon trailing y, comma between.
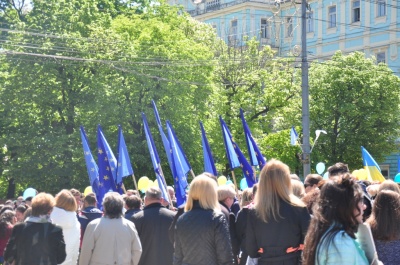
x: 143, y: 183
x: 222, y: 180
x: 88, y: 190
x: 363, y: 174
x: 153, y: 183
x: 356, y: 173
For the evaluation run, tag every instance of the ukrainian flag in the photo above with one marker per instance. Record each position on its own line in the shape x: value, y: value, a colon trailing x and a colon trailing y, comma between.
x: 374, y: 172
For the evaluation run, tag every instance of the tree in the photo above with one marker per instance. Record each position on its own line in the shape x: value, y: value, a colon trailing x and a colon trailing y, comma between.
x: 357, y: 102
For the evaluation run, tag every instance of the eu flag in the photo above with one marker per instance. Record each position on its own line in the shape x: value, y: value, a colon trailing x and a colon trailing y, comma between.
x: 235, y: 155
x: 373, y: 169
x: 185, y: 162
x: 155, y: 159
x: 256, y: 158
x: 91, y: 166
x: 124, y: 166
x: 179, y: 171
x: 106, y: 162
x: 209, y: 165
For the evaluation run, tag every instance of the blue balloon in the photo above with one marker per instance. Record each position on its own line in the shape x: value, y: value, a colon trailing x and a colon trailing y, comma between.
x: 229, y: 182
x: 320, y: 168
x: 29, y: 192
x: 397, y: 178
x: 326, y: 176
x: 243, y: 184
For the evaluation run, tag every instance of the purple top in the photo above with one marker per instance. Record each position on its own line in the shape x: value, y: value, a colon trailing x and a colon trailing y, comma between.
x: 388, y: 251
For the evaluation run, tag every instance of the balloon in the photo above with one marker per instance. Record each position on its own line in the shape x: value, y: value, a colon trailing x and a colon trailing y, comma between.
x: 29, y: 192
x: 320, y: 168
x: 363, y: 174
x: 222, y: 180
x: 143, y: 183
x: 326, y: 175
x: 88, y: 190
x: 229, y: 182
x: 243, y: 184
x: 397, y: 178
x: 356, y: 173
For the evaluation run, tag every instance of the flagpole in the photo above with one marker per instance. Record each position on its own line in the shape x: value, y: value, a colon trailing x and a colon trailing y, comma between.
x: 191, y: 172
x: 123, y: 188
x: 134, y: 181
x: 234, y: 180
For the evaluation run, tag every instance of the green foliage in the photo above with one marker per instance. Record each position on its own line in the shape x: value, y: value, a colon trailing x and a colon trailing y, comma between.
x: 357, y: 102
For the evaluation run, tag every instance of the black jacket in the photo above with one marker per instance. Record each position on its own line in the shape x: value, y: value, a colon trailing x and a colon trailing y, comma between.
x: 275, y: 237
x: 202, y: 238
x: 152, y: 225
x: 35, y: 244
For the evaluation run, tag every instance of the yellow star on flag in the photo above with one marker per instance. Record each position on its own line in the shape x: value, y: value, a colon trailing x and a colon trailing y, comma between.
x: 105, y: 177
x: 100, y: 151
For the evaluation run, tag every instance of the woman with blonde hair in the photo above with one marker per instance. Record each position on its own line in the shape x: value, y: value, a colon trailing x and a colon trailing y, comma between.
x: 278, y: 223
x: 202, y: 233
x: 64, y: 215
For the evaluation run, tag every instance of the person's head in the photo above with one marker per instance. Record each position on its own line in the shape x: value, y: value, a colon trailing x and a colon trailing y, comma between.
x: 132, y: 192
x: 20, y: 211
x: 171, y: 192
x: 112, y: 205
x: 311, y: 199
x: 20, y: 200
x: 226, y: 195
x: 152, y: 195
x: 204, y: 190
x: 295, y: 177
x: 247, y: 197
x: 389, y: 185
x: 28, y: 201
x: 133, y: 202
x: 298, y: 188
x: 65, y: 200
x: 90, y: 200
x: 77, y: 195
x: 337, y: 170
x: 274, y: 185
x: 340, y: 207
x: 6, y: 207
x: 42, y: 204
x: 311, y: 182
x: 384, y: 220
x: 6, y: 219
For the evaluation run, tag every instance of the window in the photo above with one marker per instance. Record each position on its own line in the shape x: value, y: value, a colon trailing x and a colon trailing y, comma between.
x: 212, y: 4
x: 289, y: 32
x: 233, y: 31
x: 332, y: 17
x: 356, y: 11
x: 381, y: 57
x: 264, y: 28
x: 310, y: 22
x: 381, y: 8
x: 385, y: 170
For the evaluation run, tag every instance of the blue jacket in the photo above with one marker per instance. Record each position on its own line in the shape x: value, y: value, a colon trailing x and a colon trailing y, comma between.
x: 342, y: 249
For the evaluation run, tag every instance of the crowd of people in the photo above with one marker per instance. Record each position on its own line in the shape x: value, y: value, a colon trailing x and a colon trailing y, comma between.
x: 280, y: 220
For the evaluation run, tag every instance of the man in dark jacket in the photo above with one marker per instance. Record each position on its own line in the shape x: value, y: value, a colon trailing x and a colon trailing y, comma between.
x: 89, y: 212
x: 152, y: 225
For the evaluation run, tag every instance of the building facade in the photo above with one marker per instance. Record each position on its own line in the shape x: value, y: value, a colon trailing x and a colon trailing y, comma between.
x: 370, y: 26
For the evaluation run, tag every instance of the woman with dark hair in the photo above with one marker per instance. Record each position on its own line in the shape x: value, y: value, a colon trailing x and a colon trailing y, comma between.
x: 20, y: 212
x: 331, y: 236
x: 278, y: 223
x: 7, y: 221
x: 37, y: 241
x: 385, y: 226
x: 111, y: 239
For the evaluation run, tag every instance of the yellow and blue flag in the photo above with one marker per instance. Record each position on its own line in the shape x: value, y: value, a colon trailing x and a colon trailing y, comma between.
x: 209, y: 164
x: 369, y: 163
x: 256, y: 158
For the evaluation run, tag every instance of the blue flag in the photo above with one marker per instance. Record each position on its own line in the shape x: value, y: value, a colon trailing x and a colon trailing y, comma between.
x: 209, y: 165
x: 185, y: 162
x: 124, y: 166
x: 106, y: 162
x: 155, y: 160
x: 235, y: 155
x: 293, y: 136
x: 91, y: 166
x: 179, y: 171
x: 256, y: 158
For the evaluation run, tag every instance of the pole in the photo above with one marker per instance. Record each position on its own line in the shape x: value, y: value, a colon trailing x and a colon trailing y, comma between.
x: 305, y: 94
x: 234, y: 180
x: 134, y: 182
x: 193, y: 175
x: 171, y: 207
